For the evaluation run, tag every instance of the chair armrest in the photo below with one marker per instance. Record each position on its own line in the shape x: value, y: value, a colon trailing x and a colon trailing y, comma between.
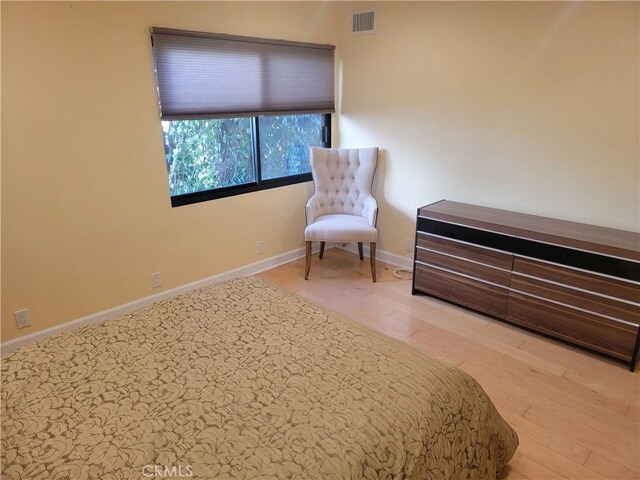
x: 370, y: 211
x: 312, y: 209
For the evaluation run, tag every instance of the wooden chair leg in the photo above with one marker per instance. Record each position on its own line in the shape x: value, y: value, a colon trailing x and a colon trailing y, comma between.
x: 372, y: 257
x: 360, y: 251
x: 321, y: 250
x: 308, y: 265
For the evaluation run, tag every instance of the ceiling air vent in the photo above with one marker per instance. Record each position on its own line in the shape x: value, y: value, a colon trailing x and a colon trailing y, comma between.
x: 363, y: 22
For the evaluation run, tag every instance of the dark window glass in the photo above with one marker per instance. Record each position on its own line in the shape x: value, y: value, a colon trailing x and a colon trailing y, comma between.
x: 285, y: 142
x: 208, y: 154
x: 214, y: 158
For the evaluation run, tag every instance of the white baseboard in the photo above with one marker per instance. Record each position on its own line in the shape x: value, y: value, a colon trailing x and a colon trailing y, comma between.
x: 382, y: 256
x: 251, y: 269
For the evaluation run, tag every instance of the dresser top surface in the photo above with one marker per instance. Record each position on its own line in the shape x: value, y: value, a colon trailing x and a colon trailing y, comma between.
x: 607, y: 241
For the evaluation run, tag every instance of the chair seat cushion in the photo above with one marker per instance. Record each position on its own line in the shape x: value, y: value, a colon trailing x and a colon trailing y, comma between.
x: 340, y: 228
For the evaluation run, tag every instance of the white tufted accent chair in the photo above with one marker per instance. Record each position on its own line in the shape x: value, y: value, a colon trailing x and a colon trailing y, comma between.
x: 342, y: 208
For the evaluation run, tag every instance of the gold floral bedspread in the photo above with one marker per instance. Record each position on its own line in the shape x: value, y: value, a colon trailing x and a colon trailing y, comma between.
x: 242, y: 380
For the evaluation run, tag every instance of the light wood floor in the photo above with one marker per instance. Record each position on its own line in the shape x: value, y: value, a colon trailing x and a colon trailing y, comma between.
x: 576, y: 414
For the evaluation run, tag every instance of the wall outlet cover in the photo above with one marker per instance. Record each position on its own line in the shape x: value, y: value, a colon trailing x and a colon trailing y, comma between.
x: 156, y: 280
x: 22, y: 318
x: 408, y: 244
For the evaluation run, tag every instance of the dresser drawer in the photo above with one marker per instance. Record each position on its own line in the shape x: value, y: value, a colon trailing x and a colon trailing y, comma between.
x: 609, y: 286
x: 485, y: 297
x: 579, y: 298
x: 487, y: 256
x: 466, y: 267
x: 598, y: 333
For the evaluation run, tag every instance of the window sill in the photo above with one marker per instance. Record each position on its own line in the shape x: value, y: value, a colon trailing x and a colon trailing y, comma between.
x: 204, y: 196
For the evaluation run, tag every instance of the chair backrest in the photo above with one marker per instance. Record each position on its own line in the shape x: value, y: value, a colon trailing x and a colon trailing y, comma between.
x: 342, y: 178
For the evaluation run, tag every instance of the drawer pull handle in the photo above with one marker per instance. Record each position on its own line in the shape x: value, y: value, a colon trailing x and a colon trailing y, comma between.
x: 572, y: 307
x: 590, y: 292
x: 590, y: 272
x: 462, y: 258
x: 464, y: 243
x: 475, y: 279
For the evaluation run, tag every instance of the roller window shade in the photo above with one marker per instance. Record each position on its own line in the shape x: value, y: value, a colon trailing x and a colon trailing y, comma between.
x: 203, y: 75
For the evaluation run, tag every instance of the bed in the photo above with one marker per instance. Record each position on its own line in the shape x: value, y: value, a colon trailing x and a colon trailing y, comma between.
x: 242, y: 380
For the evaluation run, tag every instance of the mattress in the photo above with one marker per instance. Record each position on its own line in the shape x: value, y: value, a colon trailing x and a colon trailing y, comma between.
x: 242, y: 380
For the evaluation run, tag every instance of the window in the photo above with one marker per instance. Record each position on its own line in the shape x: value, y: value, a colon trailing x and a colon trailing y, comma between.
x: 218, y: 157
x: 239, y: 114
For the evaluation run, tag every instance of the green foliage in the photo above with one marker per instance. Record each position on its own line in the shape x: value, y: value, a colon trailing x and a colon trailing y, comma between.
x: 285, y: 142
x: 208, y: 154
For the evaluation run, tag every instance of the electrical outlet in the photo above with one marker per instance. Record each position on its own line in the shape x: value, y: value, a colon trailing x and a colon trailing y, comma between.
x: 408, y: 244
x: 259, y: 247
x: 156, y: 280
x: 22, y: 318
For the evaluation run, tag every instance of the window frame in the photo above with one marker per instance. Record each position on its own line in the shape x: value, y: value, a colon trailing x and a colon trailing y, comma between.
x: 260, y: 183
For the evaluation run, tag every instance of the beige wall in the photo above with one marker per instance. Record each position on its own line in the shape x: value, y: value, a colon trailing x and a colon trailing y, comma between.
x: 86, y: 211
x: 530, y: 106
x: 524, y: 106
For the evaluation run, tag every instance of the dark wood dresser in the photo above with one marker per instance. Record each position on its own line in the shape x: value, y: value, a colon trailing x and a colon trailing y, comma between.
x: 576, y: 282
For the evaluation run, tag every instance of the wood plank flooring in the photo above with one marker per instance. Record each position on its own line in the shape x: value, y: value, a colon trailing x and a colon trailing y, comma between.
x: 576, y: 414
